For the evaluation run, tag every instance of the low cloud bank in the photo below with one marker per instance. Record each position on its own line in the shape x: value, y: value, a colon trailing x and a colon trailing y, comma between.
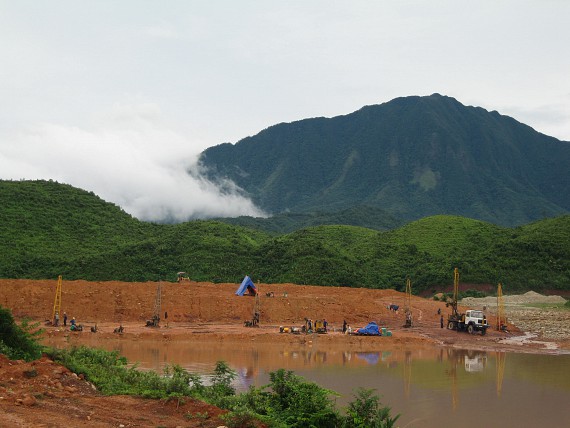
x: 131, y: 159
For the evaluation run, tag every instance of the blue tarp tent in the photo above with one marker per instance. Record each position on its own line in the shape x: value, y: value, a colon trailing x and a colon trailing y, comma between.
x: 369, y: 357
x: 370, y: 330
x: 247, y: 286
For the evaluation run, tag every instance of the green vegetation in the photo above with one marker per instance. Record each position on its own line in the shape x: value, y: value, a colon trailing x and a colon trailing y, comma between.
x: 363, y: 216
x: 288, y: 400
x: 18, y: 342
x: 412, y: 157
x: 51, y: 229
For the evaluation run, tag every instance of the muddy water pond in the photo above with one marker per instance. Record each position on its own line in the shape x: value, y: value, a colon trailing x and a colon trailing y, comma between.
x: 430, y: 388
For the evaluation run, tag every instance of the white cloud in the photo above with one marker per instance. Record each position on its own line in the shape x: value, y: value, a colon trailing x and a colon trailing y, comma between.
x: 130, y: 159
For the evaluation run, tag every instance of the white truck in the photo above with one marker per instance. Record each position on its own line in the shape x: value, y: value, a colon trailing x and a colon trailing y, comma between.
x: 471, y: 321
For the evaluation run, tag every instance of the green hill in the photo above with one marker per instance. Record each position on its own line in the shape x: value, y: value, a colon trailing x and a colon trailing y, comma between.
x: 363, y: 216
x: 49, y: 229
x: 412, y: 157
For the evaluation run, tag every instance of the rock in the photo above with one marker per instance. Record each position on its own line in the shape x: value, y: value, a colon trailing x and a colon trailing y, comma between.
x: 29, y: 400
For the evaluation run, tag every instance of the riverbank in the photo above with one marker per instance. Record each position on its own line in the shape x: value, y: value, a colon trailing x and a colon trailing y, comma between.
x: 212, y: 313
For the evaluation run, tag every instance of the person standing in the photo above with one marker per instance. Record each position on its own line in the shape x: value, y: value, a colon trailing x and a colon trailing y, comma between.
x: 441, y: 321
x: 64, y: 319
x: 344, y: 326
x: 56, y: 320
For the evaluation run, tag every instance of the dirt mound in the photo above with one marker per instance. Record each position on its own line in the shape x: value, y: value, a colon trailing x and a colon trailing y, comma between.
x: 43, y: 393
x: 528, y: 298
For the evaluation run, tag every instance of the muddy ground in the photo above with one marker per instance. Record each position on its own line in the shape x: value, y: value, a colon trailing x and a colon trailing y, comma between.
x: 207, y: 311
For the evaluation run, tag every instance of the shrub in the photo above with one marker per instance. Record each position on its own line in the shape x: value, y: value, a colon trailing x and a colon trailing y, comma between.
x: 365, y: 412
x: 18, y: 342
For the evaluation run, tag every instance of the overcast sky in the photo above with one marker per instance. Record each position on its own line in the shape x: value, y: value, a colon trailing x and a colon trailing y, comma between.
x: 119, y: 97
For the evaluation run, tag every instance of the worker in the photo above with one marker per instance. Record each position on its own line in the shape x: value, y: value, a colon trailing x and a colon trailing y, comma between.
x: 73, y: 324
x: 348, y: 329
x: 325, y: 324
x: 65, y: 319
x: 56, y: 319
x: 441, y: 321
x: 439, y: 311
x: 344, y: 326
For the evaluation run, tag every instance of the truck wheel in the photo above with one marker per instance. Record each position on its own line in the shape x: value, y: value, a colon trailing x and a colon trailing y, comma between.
x: 450, y: 325
x: 470, y: 329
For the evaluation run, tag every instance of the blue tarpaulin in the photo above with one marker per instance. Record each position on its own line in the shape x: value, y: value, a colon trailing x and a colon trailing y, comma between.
x: 247, y: 286
x: 369, y: 357
x: 370, y: 330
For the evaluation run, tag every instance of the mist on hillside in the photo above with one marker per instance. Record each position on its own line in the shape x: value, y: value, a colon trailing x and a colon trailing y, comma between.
x: 131, y: 159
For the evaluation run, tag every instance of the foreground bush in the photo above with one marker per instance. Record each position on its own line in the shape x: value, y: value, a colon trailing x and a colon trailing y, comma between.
x: 288, y: 400
x: 18, y: 342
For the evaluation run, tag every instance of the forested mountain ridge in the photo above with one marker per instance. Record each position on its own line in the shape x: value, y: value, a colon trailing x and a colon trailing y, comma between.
x: 49, y: 229
x: 412, y: 157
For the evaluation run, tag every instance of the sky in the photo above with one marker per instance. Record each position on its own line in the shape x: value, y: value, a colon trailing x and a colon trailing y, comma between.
x: 120, y: 97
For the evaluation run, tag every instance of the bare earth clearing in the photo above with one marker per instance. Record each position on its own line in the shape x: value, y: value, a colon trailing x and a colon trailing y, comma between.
x: 206, y: 312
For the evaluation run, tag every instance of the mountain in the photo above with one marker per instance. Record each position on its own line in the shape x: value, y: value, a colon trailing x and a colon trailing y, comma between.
x: 49, y: 229
x: 412, y: 157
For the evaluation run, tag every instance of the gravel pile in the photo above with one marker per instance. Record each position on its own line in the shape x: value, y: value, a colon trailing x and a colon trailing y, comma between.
x: 545, y: 322
x: 530, y: 297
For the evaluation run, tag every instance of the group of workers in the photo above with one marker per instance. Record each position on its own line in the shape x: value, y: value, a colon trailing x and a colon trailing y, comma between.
x: 72, y: 323
x: 320, y: 326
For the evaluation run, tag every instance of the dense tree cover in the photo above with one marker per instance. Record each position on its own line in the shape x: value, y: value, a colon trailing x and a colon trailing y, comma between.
x: 49, y: 229
x: 361, y: 215
x: 412, y: 157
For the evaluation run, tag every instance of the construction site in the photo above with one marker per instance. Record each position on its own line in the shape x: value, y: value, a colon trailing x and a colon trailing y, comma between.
x: 289, y: 317
x: 183, y: 309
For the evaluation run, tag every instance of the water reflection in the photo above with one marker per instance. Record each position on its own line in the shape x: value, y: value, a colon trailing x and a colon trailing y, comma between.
x: 422, y: 384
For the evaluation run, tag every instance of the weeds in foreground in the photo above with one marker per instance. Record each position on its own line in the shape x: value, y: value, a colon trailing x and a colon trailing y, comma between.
x: 19, y: 342
x: 287, y: 401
